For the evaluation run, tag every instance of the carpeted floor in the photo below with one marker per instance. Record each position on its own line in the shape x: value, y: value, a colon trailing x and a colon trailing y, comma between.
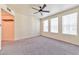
x: 39, y: 46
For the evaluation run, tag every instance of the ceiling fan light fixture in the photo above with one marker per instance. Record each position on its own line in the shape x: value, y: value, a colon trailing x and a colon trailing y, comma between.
x: 41, y: 10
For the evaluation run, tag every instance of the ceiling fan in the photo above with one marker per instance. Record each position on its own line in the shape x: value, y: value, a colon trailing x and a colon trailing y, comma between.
x: 41, y: 9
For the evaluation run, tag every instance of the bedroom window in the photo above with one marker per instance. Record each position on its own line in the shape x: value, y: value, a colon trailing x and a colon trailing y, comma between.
x: 45, y: 25
x: 69, y: 24
x: 54, y: 25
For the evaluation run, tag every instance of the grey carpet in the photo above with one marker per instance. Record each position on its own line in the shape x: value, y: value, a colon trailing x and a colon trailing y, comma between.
x: 39, y: 46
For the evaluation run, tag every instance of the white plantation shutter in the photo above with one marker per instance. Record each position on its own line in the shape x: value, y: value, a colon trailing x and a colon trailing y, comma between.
x: 54, y: 25
x: 45, y: 26
x: 69, y: 24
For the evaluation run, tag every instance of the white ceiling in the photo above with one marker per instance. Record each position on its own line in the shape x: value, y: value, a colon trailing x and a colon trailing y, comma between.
x: 26, y: 9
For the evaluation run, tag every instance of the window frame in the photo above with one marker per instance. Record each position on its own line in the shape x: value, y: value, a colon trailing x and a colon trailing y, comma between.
x: 70, y: 24
x: 45, y: 25
x: 54, y: 18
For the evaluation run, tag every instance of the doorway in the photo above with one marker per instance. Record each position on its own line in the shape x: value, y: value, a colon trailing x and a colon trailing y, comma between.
x: 7, y: 28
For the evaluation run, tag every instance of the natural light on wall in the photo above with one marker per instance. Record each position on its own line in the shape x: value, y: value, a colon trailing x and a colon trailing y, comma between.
x: 69, y: 24
x: 54, y: 25
x: 45, y: 26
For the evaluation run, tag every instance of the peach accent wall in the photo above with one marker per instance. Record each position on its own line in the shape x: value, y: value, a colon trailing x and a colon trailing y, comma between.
x: 8, y: 30
x: 6, y: 15
x: 3, y: 6
x: 7, y: 27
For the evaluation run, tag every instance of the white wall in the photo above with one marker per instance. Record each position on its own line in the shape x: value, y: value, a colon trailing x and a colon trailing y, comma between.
x: 26, y: 26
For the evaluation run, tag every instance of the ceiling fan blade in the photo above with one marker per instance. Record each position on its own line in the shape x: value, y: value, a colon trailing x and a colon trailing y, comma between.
x: 35, y: 12
x: 34, y: 8
x: 45, y: 11
x: 43, y: 6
